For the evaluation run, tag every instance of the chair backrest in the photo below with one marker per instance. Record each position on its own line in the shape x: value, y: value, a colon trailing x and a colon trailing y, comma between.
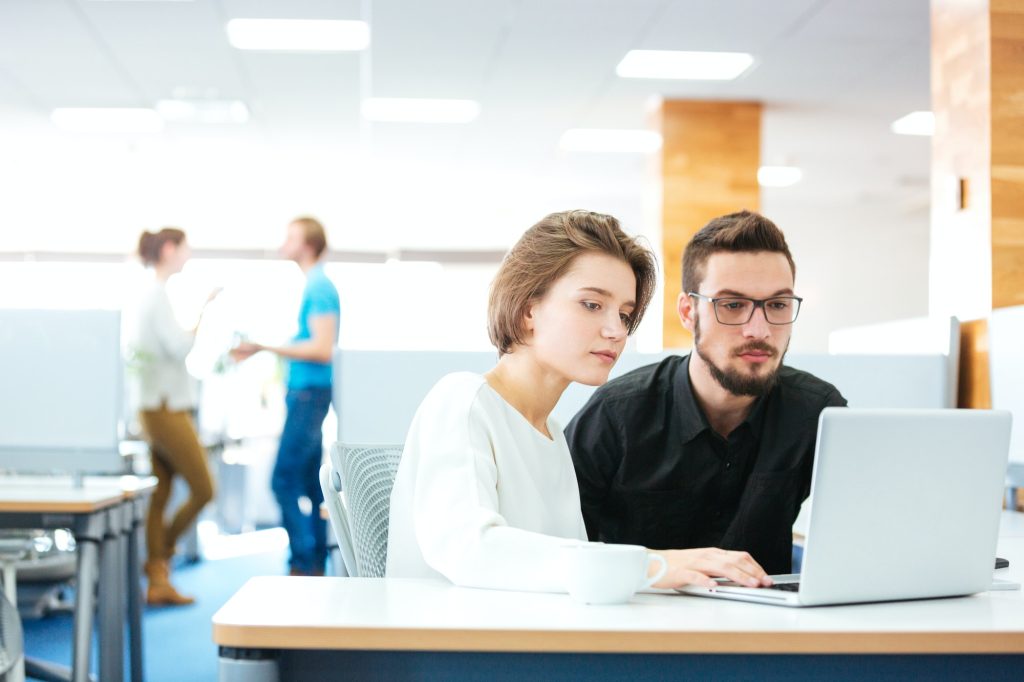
x: 11, y: 643
x: 367, y: 474
x: 330, y: 484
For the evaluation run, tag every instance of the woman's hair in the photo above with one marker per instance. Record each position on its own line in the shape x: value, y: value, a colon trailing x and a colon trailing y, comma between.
x: 545, y: 253
x: 152, y: 243
x: 313, y: 234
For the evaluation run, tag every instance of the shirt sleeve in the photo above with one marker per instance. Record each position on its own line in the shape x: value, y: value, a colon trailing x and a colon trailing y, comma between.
x: 833, y: 399
x: 596, y: 447
x: 458, y: 525
x: 174, y: 342
x: 322, y: 299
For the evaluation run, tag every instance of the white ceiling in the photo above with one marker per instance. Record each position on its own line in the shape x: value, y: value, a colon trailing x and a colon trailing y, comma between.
x: 833, y: 75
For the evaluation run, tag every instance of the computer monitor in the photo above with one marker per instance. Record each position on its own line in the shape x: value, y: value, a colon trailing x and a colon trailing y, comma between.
x: 61, y: 391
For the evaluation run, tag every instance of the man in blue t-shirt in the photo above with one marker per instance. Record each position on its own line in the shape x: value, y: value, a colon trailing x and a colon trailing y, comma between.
x: 296, y: 472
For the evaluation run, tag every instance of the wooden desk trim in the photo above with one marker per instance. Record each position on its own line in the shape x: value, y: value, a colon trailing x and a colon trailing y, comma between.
x: 42, y: 494
x: 140, y: 489
x: 56, y: 506
x: 623, y: 642
x: 127, y: 484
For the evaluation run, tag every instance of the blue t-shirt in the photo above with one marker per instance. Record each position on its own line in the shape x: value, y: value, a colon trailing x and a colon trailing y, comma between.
x: 320, y: 297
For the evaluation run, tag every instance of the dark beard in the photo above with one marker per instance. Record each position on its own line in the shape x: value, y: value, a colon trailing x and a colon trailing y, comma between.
x: 731, y: 380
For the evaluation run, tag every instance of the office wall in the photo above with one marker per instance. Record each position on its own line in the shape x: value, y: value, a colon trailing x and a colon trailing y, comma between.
x: 232, y: 194
x: 1006, y: 330
x: 860, y: 266
x: 858, y: 222
x: 862, y: 257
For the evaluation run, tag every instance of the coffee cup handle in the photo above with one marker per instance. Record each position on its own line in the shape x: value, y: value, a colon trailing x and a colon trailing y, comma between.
x: 660, y: 572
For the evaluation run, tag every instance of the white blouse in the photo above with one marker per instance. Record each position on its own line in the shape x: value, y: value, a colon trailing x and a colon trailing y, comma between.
x: 482, y: 498
x: 160, y: 347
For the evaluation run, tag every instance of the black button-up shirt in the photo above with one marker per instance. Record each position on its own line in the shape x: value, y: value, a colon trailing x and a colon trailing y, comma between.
x: 653, y: 472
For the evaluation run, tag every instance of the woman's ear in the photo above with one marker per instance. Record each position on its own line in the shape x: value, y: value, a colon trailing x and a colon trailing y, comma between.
x: 529, y: 316
x: 167, y: 249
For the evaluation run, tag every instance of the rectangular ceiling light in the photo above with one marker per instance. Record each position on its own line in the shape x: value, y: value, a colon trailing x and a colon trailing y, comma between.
x: 915, y: 123
x: 679, y: 65
x: 606, y: 140
x: 107, y: 120
x: 299, y: 35
x: 405, y: 110
x: 203, y: 111
x: 778, y: 176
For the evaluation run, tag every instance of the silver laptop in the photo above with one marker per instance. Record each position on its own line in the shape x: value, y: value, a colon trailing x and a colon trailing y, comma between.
x: 905, y: 504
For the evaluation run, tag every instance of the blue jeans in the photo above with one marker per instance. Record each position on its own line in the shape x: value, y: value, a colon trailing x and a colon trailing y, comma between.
x: 297, y: 475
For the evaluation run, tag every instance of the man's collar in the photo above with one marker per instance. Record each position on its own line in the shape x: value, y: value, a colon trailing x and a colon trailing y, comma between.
x: 756, y: 416
x: 692, y: 417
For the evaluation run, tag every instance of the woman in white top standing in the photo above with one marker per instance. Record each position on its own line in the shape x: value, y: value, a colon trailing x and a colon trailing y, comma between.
x: 486, y: 493
x: 166, y: 402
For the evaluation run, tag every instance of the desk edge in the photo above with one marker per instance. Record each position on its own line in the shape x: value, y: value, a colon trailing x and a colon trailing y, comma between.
x: 590, y: 641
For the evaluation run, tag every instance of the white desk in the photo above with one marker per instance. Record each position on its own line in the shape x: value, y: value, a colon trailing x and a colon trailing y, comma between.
x: 384, y: 628
x: 1011, y: 524
x: 105, y: 515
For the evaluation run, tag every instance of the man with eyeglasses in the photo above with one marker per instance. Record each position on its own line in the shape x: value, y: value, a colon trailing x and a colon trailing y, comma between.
x: 713, y: 450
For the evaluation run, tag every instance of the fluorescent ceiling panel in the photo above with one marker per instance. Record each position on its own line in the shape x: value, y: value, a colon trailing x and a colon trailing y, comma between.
x: 915, y: 123
x: 299, y: 35
x: 680, y: 65
x: 111, y: 120
x: 610, y: 140
x: 778, y: 176
x: 203, y: 111
x: 404, y: 110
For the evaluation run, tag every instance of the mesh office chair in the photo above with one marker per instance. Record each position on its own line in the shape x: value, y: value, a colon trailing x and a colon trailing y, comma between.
x: 11, y: 644
x: 365, y: 476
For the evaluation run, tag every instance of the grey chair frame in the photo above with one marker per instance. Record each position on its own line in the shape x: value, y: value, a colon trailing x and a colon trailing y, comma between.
x: 12, y: 643
x: 330, y: 483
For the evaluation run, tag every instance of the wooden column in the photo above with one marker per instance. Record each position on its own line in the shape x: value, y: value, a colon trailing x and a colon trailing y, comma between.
x: 709, y: 160
x: 977, y: 231
x: 1007, y: 31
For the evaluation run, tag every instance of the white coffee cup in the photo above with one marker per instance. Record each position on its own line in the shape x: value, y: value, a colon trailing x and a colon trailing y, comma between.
x: 596, y: 573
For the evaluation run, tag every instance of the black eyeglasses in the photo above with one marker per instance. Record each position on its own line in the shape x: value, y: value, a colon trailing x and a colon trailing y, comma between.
x: 736, y: 310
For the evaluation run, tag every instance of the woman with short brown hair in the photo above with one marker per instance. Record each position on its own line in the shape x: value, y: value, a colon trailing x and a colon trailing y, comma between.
x: 486, y: 493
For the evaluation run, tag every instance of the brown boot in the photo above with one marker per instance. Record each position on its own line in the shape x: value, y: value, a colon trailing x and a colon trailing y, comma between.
x: 160, y: 592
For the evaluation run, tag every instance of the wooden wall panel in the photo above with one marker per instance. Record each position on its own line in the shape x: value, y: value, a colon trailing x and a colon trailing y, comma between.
x: 1007, y: 50
x: 709, y: 160
x: 974, y: 390
x: 978, y: 98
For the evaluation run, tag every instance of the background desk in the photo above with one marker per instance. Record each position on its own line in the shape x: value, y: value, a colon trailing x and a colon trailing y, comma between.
x: 105, y: 516
x: 394, y: 629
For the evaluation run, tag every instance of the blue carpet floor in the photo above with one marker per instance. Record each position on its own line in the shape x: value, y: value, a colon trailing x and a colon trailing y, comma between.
x: 177, y: 642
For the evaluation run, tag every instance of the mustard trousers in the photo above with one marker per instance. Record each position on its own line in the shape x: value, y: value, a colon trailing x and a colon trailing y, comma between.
x: 176, y: 451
